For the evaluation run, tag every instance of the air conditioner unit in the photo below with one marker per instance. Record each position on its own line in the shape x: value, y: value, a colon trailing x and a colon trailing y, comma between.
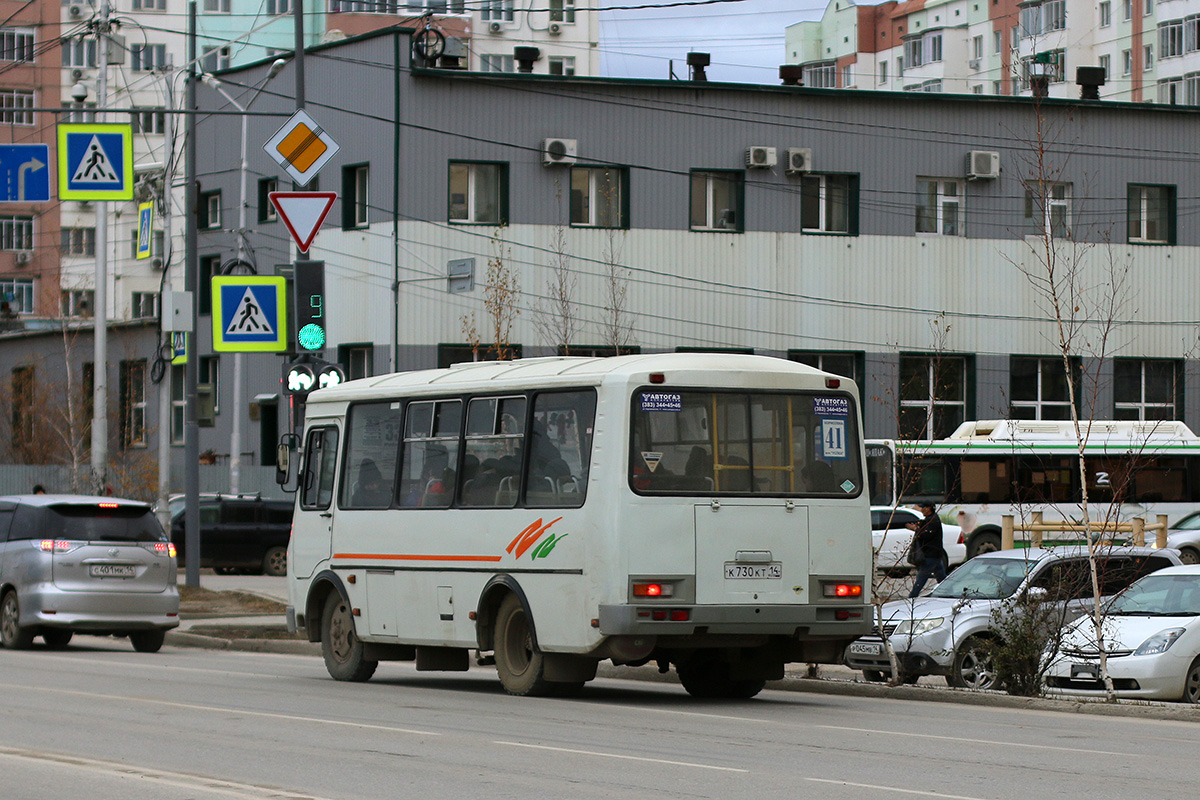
x: 156, y: 263
x: 558, y: 151
x: 74, y: 11
x: 799, y: 159
x: 496, y: 27
x: 761, y: 157
x: 973, y: 63
x: 555, y: 28
x: 76, y: 74
x: 24, y: 257
x: 983, y: 165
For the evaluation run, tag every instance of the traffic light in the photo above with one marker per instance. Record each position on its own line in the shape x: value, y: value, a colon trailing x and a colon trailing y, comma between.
x: 307, y: 374
x: 311, y: 318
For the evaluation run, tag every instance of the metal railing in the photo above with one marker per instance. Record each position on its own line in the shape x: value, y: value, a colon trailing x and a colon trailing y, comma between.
x: 1136, y: 528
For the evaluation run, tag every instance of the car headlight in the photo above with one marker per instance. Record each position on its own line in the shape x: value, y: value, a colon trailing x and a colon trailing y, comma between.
x: 916, y: 627
x: 1159, y: 642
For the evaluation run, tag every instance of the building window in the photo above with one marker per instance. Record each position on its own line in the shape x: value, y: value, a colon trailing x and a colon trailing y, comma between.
x: 144, y: 306
x: 355, y: 196
x: 829, y: 203
x: 847, y: 77
x: 933, y: 395
x: 1105, y: 63
x: 157, y: 5
x: 883, y: 72
x: 1147, y: 389
x: 496, y: 10
x: 1149, y: 8
x: 562, y: 65
x: 211, y: 6
x: 562, y: 11
x: 16, y: 44
x: 899, y: 66
x: 210, y: 375
x: 1105, y: 13
x: 1126, y: 62
x: 266, y: 209
x: 216, y: 58
x: 939, y: 206
x: 16, y: 232
x: 599, y: 196
x: 1151, y: 214
x: 276, y: 7
x: 133, y: 403
x: 79, y: 53
x: 147, y: 57
x: 79, y: 241
x: 178, y: 402
x: 497, y: 63
x: 997, y: 41
x: 1048, y: 209
x: 1147, y: 57
x: 359, y: 360
x: 845, y: 364
x: 209, y: 266
x: 1126, y: 10
x: 478, y: 193
x: 24, y: 406
x: 210, y: 210
x: 1054, y: 16
x: 16, y: 106
x: 1038, y: 388
x: 78, y: 302
x: 16, y: 296
x: 716, y: 200
x: 149, y: 121
x: 1170, y: 91
x: 821, y: 76
x: 81, y: 112
x: 933, y: 47
x: 914, y: 53
x: 1170, y: 39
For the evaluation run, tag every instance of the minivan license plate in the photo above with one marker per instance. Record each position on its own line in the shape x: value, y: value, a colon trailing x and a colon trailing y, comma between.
x: 112, y: 571
x: 752, y: 571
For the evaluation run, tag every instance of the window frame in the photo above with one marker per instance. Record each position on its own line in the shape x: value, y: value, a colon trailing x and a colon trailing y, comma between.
x: 356, y: 188
x: 737, y: 177
x: 16, y: 107
x: 471, y: 212
x: 132, y: 400
x: 1143, y: 204
x: 931, y: 402
x: 598, y: 209
x: 1142, y: 404
x: 941, y: 200
x: 266, y: 209
x: 823, y: 200
x: 1044, y: 222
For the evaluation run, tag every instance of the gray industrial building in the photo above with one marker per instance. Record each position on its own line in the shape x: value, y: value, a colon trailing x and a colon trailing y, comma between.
x: 897, y: 238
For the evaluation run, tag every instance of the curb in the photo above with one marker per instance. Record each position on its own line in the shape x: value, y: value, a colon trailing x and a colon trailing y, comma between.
x: 790, y: 683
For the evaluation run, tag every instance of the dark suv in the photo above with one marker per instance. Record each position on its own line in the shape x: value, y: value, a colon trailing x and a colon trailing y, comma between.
x: 238, y: 533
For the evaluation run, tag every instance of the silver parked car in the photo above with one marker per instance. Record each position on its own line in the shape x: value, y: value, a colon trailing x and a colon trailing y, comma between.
x: 945, y: 632
x: 1184, y: 536
x: 72, y: 563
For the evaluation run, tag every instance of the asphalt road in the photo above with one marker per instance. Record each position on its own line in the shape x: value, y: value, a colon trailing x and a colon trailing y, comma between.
x: 102, y: 721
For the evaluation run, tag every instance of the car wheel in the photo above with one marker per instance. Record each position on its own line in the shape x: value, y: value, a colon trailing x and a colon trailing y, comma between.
x: 57, y: 638
x: 1189, y: 555
x: 275, y: 562
x: 340, y: 645
x: 983, y: 543
x: 147, y: 641
x: 873, y: 676
x: 519, y: 663
x: 1191, y: 683
x: 12, y: 634
x: 972, y: 667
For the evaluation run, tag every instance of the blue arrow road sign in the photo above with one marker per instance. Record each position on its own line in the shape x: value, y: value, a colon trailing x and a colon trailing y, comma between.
x: 24, y: 173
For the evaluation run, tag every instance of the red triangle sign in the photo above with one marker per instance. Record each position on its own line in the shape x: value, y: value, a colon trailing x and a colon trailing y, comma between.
x: 303, y: 213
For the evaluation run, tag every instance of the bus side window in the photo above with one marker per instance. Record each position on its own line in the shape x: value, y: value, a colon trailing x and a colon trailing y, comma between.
x: 559, y: 449
x: 320, y: 466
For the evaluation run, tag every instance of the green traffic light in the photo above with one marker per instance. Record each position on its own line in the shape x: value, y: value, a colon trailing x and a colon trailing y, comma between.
x: 311, y: 337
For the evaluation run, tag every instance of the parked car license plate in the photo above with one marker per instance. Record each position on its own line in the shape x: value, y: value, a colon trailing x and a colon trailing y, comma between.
x: 112, y: 570
x: 866, y: 649
x: 753, y: 571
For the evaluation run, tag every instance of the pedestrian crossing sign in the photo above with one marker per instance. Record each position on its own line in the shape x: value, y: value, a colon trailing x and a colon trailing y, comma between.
x: 249, y: 314
x: 95, y: 161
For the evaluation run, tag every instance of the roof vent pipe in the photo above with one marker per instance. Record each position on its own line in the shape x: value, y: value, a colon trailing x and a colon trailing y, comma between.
x: 791, y: 74
x: 525, y: 57
x: 696, y: 64
x: 1090, y: 79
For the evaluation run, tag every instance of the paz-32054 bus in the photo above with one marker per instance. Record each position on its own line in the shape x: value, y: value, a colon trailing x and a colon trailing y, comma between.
x: 696, y: 510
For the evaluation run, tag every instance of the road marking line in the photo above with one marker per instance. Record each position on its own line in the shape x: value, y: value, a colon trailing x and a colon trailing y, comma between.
x: 182, y: 780
x: 975, y: 741
x: 615, y: 755
x: 220, y: 710
x: 892, y: 789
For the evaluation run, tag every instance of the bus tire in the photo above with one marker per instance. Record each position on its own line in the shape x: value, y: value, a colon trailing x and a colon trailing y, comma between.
x: 983, y: 542
x: 340, y: 645
x: 519, y: 663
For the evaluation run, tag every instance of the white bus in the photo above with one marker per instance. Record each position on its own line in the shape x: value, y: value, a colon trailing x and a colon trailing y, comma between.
x: 697, y: 510
x: 987, y: 469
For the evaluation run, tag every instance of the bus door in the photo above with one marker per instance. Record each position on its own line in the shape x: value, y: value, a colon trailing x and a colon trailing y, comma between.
x: 751, y: 553
x: 312, y: 527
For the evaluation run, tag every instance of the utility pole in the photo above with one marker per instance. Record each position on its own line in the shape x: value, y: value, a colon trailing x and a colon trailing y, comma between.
x: 191, y: 438
x: 100, y: 318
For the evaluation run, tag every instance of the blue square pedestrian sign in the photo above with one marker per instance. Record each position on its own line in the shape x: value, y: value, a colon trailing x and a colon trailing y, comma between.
x: 95, y: 162
x: 24, y: 173
x: 249, y: 314
x: 145, y: 229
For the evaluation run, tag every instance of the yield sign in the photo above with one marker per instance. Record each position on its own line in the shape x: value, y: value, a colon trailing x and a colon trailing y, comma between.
x: 303, y: 213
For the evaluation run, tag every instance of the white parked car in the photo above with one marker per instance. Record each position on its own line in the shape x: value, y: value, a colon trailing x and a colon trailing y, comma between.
x: 1184, y: 536
x: 890, y: 538
x: 1152, y: 636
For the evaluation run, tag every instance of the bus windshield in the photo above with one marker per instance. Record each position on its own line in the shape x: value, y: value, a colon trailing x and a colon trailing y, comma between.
x: 721, y: 442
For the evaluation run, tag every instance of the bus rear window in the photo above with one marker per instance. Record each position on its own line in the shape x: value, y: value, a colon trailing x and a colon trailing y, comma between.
x: 698, y: 442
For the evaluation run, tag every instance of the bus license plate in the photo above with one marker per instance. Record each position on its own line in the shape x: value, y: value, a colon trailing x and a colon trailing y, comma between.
x: 112, y: 571
x: 752, y: 571
x: 866, y: 649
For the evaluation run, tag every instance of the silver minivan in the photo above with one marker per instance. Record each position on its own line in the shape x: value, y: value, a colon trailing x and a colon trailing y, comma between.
x: 73, y: 563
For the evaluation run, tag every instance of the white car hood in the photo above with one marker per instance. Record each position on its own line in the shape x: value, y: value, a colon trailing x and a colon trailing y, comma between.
x: 926, y: 607
x: 1120, y: 632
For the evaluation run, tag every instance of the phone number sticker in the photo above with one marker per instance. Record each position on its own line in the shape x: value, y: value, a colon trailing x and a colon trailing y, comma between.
x: 662, y: 401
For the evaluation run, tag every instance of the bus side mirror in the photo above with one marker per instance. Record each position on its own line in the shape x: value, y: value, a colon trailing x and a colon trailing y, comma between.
x: 283, y: 461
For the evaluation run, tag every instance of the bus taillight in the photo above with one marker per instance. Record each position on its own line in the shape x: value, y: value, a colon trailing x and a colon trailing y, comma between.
x: 653, y: 590
x: 843, y: 590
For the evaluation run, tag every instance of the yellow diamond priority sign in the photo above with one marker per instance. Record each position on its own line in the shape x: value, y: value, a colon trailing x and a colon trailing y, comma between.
x: 301, y: 147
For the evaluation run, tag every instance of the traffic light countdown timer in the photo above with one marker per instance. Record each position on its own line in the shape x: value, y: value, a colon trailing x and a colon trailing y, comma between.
x: 312, y: 322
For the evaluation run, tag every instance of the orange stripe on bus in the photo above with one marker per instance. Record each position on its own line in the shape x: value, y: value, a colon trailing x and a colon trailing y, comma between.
x: 412, y: 557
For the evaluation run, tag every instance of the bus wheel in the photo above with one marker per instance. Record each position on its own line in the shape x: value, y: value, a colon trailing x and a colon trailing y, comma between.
x: 983, y: 543
x: 708, y: 677
x: 340, y: 645
x: 518, y: 663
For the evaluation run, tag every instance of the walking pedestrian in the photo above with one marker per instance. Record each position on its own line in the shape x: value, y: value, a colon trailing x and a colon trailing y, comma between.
x: 927, y: 541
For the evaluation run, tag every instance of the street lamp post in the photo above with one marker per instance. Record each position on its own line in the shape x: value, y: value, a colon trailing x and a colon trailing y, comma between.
x: 235, y: 436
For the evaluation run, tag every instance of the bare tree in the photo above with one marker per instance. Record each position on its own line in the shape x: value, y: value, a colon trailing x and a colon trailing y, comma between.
x: 616, y: 323
x: 556, y: 319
